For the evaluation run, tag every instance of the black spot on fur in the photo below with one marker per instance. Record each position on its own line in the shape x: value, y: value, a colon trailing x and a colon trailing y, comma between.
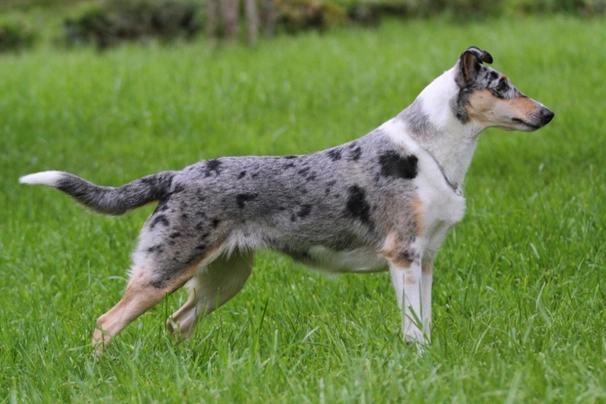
x: 311, y: 177
x: 356, y: 154
x: 160, y: 219
x: 201, y: 247
x: 156, y: 248
x: 303, y: 171
x: 293, y: 218
x: 357, y: 207
x: 334, y: 154
x: 290, y: 157
x: 213, y: 166
x: 242, y: 199
x: 215, y: 223
x: 287, y: 166
x: 241, y: 175
x: 184, y: 216
x: 200, y: 226
x: 398, y: 166
x: 255, y: 175
x: 174, y: 235
x: 305, y: 211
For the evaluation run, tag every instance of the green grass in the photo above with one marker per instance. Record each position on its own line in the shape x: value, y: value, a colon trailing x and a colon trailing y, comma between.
x: 519, y: 293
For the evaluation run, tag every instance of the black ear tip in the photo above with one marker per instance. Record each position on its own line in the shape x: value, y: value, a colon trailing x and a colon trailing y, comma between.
x: 480, y: 54
x: 487, y: 57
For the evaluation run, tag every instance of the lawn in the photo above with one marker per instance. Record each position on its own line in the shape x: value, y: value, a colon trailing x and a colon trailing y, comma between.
x: 519, y: 290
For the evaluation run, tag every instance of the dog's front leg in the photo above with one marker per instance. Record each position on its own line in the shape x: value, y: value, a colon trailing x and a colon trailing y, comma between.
x: 407, y: 283
x: 426, y: 283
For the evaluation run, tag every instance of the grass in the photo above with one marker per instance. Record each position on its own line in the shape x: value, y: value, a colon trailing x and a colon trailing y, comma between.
x: 519, y: 293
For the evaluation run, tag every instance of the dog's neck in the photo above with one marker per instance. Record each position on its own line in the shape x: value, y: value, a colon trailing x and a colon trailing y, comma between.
x: 432, y: 123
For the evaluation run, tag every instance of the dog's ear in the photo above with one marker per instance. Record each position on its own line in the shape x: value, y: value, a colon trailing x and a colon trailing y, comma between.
x: 469, y: 64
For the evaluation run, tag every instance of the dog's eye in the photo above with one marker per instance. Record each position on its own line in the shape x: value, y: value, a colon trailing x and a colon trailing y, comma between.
x: 503, y: 85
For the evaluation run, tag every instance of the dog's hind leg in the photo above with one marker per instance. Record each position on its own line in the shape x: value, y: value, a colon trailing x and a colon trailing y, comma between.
x: 210, y: 288
x: 149, y: 284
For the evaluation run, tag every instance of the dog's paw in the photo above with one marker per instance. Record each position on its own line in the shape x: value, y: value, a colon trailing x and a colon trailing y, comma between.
x: 416, y: 337
x: 99, y: 342
x: 177, y: 330
x: 173, y: 328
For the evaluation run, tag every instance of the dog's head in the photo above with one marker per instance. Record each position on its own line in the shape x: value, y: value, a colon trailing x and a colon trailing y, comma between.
x: 490, y: 99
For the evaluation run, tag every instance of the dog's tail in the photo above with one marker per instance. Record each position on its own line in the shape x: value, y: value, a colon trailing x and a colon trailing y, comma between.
x: 107, y: 200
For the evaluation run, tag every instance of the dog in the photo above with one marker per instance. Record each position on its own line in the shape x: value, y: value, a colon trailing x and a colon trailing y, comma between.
x: 384, y: 201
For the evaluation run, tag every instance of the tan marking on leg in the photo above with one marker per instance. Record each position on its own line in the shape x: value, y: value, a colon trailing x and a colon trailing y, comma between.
x: 418, y: 212
x: 140, y: 296
x: 392, y: 251
x: 428, y: 267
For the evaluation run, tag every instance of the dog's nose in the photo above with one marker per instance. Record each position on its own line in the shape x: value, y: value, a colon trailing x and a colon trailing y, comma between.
x: 547, y: 115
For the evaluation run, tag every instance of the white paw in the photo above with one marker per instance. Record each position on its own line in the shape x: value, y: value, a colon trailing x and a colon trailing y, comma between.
x: 414, y: 336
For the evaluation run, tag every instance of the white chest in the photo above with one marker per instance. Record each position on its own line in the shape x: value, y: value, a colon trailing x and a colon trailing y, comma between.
x: 442, y: 208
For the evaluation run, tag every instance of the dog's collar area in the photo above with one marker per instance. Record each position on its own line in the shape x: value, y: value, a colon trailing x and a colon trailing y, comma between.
x: 456, y: 188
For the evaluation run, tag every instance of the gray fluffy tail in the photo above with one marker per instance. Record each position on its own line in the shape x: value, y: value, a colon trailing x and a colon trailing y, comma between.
x: 107, y: 200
